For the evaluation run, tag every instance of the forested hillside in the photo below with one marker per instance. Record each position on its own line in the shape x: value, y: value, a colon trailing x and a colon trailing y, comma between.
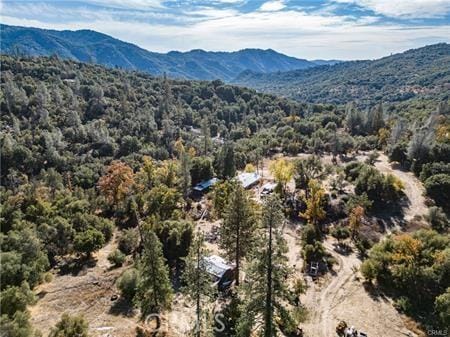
x: 74, y: 116
x: 94, y: 47
x: 423, y: 72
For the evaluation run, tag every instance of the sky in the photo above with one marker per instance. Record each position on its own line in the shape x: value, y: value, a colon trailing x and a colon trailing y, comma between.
x: 311, y: 29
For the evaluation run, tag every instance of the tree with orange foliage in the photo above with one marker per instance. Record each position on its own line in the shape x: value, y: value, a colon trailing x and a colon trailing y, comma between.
x: 355, y: 220
x: 117, y: 183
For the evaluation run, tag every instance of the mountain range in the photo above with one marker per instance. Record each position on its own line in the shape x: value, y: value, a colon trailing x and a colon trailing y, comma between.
x: 95, y: 47
x: 422, y: 72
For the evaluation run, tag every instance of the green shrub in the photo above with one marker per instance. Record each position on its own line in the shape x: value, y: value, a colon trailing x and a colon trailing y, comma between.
x: 363, y: 245
x: 127, y: 284
x: 128, y: 241
x: 340, y: 233
x: 438, y: 219
x: 70, y: 326
x: 14, y: 299
x: 403, y: 304
x: 430, y: 169
x: 369, y: 270
x: 18, y: 326
x: 89, y: 241
x: 438, y: 187
x: 116, y: 258
x: 442, y: 305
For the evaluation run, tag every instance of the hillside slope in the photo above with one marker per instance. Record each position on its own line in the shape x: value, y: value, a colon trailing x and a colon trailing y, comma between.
x: 417, y: 72
x: 94, y: 47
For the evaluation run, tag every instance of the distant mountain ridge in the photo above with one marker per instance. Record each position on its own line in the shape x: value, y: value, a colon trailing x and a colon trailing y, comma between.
x: 91, y: 46
x: 423, y: 72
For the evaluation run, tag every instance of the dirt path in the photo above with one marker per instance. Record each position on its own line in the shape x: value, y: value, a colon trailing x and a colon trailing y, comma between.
x: 342, y: 297
x: 89, y: 293
x: 414, y: 189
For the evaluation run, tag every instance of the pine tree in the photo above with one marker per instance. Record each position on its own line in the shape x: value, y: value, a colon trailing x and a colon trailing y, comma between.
x: 266, y: 291
x: 353, y: 119
x: 197, y: 279
x: 154, y: 291
x: 184, y: 167
x: 237, y: 231
x: 206, y: 134
x: 397, y: 132
x: 226, y: 161
x: 374, y: 120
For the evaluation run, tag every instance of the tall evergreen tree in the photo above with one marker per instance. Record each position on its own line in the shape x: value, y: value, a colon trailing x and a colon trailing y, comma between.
x: 184, y: 168
x: 266, y: 291
x: 226, y: 161
x: 154, y: 291
x: 237, y: 231
x: 353, y: 119
x: 397, y: 132
x: 198, y: 280
x: 206, y: 134
x: 374, y: 120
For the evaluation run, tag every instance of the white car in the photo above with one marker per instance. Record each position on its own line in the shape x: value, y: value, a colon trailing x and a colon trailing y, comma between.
x: 268, y: 188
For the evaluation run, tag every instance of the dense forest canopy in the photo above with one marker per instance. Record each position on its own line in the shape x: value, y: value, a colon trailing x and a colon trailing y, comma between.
x: 74, y: 117
x: 416, y: 73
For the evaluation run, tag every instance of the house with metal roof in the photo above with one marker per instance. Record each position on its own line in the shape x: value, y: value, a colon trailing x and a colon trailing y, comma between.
x: 248, y: 179
x: 205, y: 185
x: 222, y: 274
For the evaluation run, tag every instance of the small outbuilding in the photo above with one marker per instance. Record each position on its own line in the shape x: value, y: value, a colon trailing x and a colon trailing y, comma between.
x: 248, y: 180
x: 222, y: 274
x: 204, y: 186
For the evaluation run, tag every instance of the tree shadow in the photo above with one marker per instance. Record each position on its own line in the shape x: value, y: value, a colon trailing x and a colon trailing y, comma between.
x: 40, y: 295
x: 374, y: 292
x: 122, y: 307
x: 390, y: 217
x: 76, y: 266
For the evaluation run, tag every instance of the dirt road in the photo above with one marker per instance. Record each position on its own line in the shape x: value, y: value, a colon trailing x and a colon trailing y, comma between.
x: 341, y: 296
x: 414, y: 189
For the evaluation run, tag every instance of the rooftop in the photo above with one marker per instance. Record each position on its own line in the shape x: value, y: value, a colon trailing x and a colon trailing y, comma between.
x: 216, y: 266
x: 205, y: 184
x: 248, y: 179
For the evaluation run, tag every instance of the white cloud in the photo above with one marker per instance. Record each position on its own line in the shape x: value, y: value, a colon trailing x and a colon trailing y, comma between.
x: 134, y: 4
x: 229, y: 1
x: 272, y: 6
x: 405, y: 8
x: 294, y: 32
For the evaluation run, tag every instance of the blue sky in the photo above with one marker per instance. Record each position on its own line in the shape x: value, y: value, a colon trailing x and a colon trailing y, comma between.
x: 327, y: 29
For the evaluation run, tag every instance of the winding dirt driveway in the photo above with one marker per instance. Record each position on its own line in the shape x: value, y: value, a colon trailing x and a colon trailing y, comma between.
x: 414, y: 189
x: 342, y: 297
